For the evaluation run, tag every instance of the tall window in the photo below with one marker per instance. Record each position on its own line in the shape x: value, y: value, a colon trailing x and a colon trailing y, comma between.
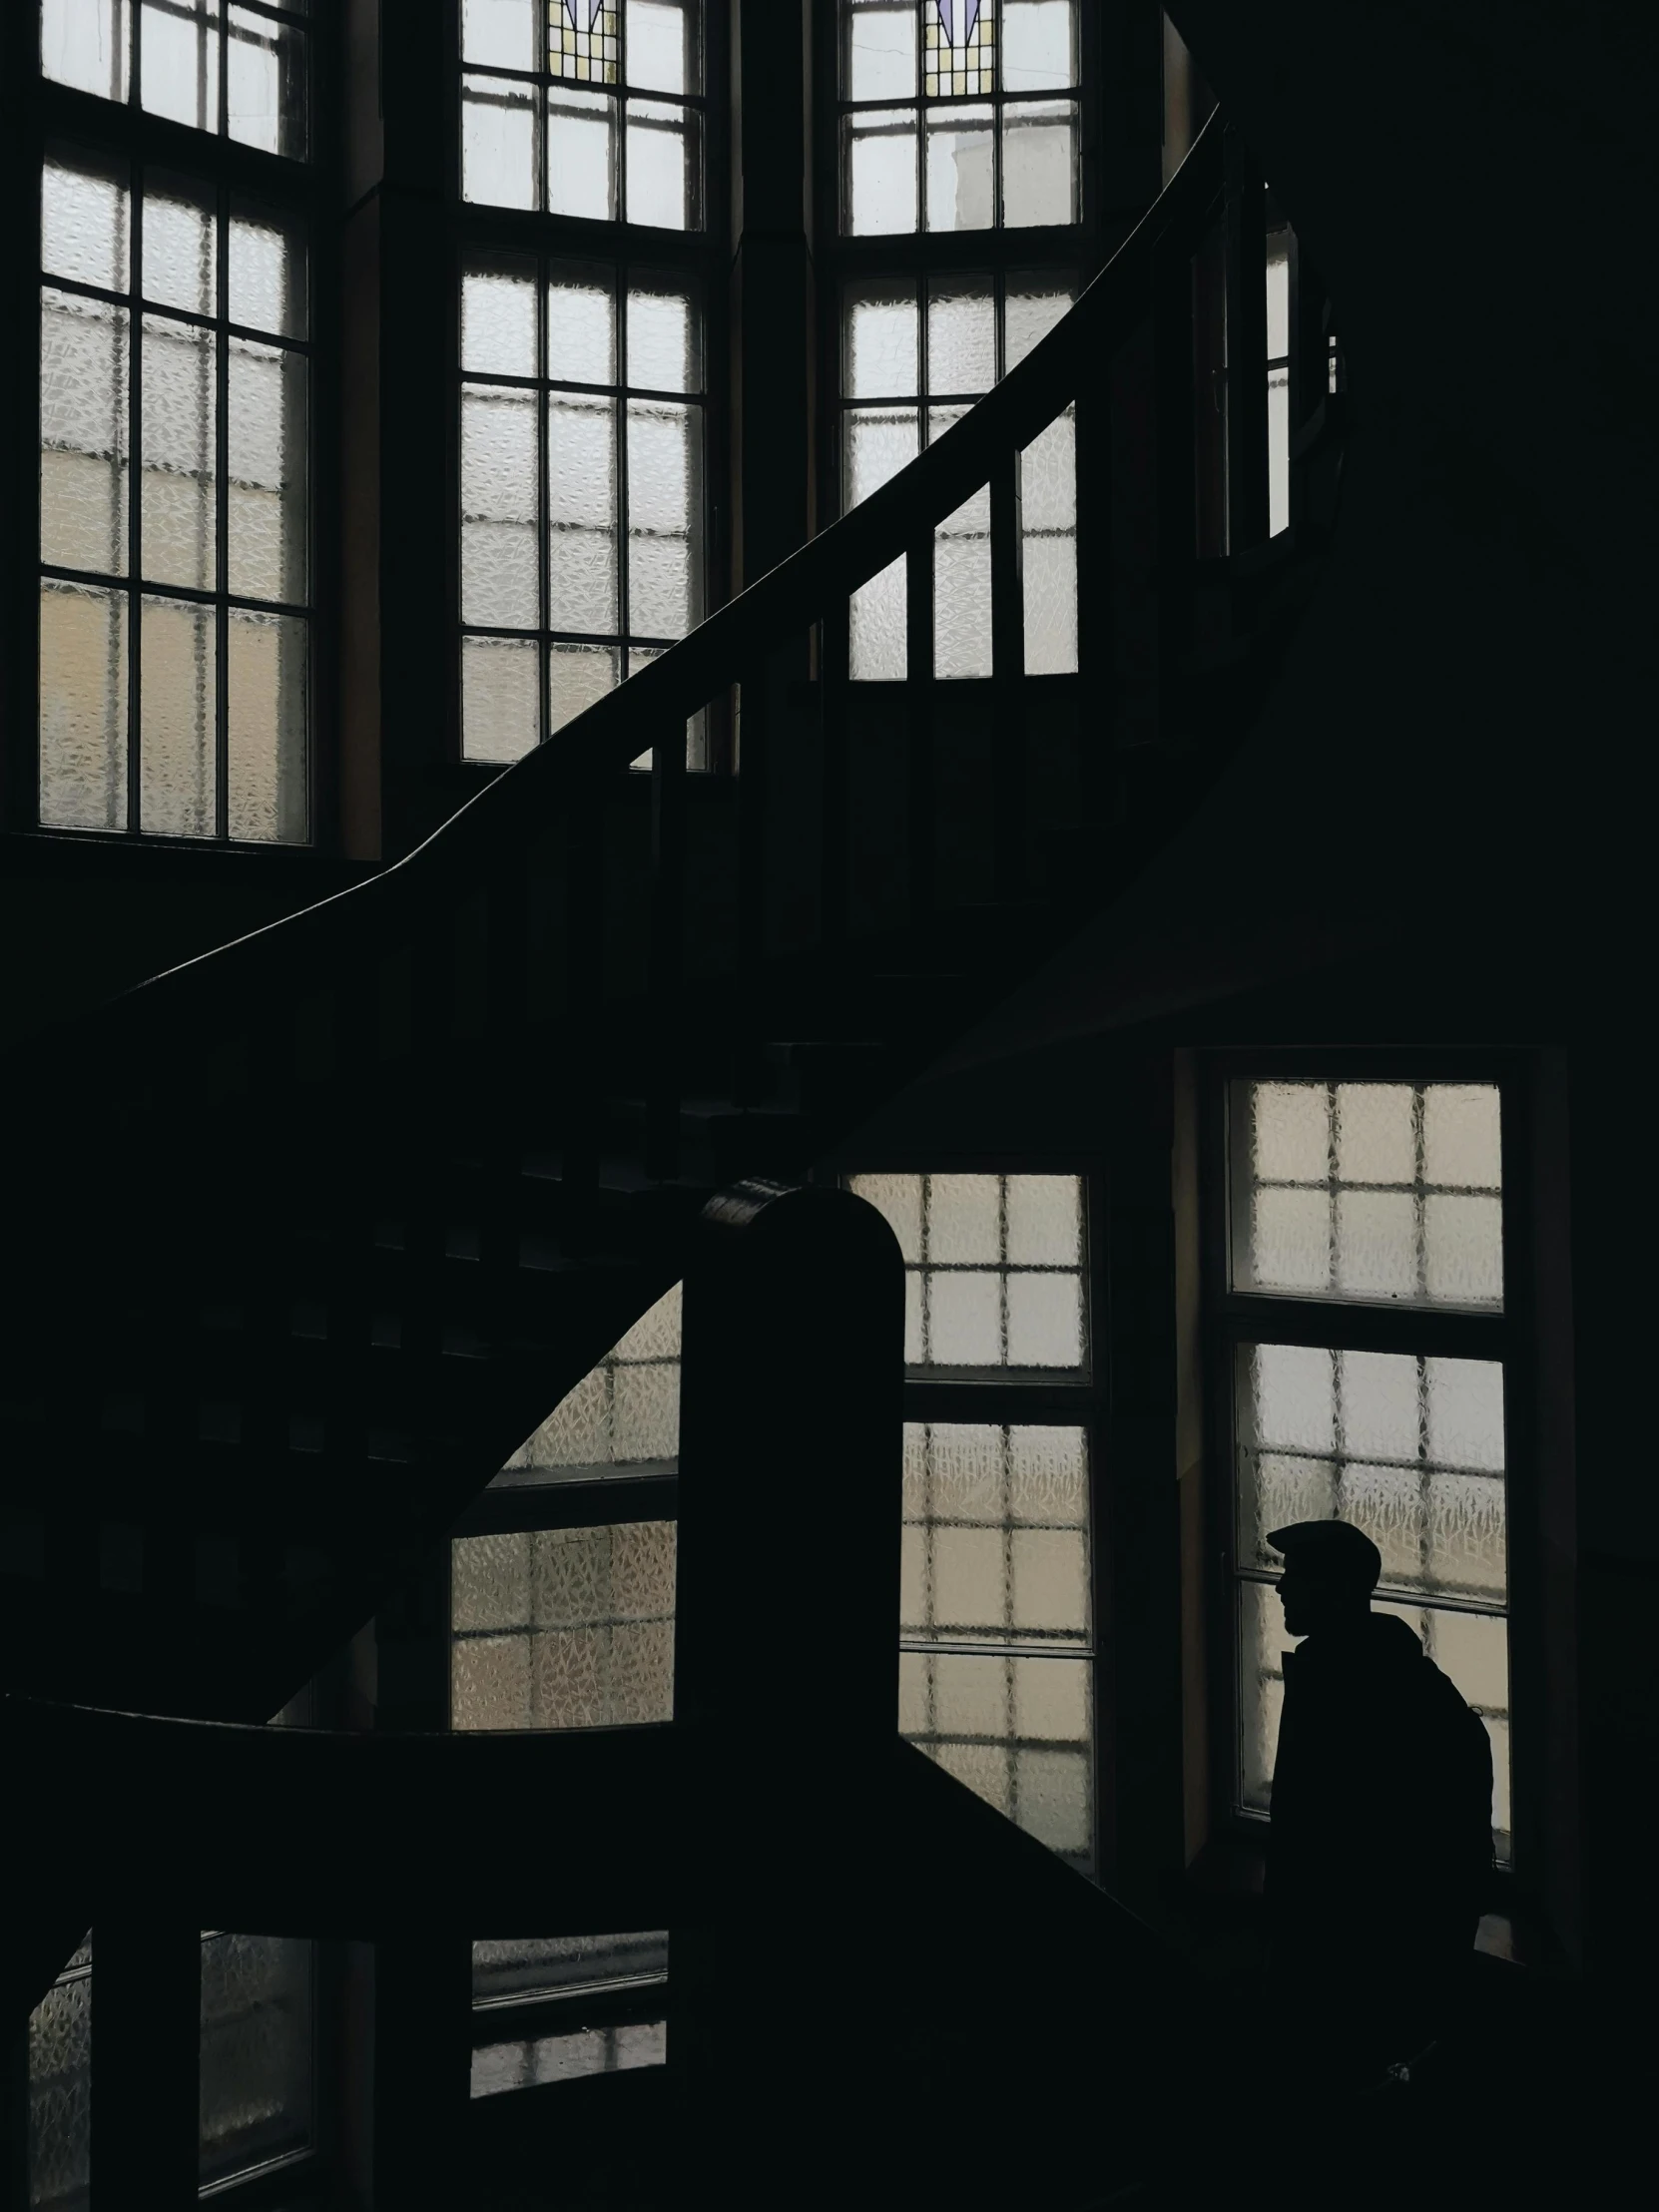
x: 174, y: 402
x: 1364, y: 1335
x: 996, y: 1613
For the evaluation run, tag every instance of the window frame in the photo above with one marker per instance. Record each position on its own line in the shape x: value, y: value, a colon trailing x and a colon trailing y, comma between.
x: 1507, y: 1336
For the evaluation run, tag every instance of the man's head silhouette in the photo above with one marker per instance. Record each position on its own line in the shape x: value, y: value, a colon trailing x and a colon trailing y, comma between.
x: 1330, y: 1569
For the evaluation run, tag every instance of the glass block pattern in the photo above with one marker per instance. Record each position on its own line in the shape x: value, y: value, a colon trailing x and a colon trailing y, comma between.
x: 237, y: 69
x: 511, y: 1970
x: 563, y: 1628
x: 622, y: 1416
x: 913, y: 360
x: 60, y: 2091
x: 1017, y: 1731
x: 568, y: 2057
x: 583, y: 43
x: 1380, y: 1192
x: 256, y: 2050
x: 173, y: 466
x: 959, y: 48
x: 994, y: 1268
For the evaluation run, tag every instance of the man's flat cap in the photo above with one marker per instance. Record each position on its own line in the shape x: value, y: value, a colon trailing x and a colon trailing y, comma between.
x: 1329, y: 1547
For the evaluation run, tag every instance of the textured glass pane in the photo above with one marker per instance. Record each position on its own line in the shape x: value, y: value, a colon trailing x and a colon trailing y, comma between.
x: 60, y: 2093
x: 1463, y: 1248
x: 86, y: 44
x: 500, y: 163
x: 84, y: 419
x: 267, y: 272
x: 181, y: 415
x: 1468, y: 1530
x: 178, y: 779
x: 181, y: 247
x: 1048, y: 480
x: 1292, y: 1396
x: 181, y: 61
x: 502, y: 34
x: 1388, y: 1505
x: 500, y: 584
x: 1290, y: 1132
x: 1051, y: 590
x: 1290, y: 1243
x: 1039, y: 164
x: 1465, y: 1412
x: 1377, y: 1243
x: 914, y: 1344
x: 83, y: 707
x: 879, y: 445
x: 665, y: 497
x: 964, y: 1219
x: 882, y: 53
x: 581, y: 498
x: 489, y: 1684
x: 1017, y: 1732
x: 1277, y: 1489
x: 1052, y: 1799
x: 1375, y: 1135
x: 661, y: 164
x: 85, y: 221
x: 1279, y: 294
x: 1046, y: 1320
x: 662, y: 350
x: 267, y: 79
x: 1050, y: 1582
x: 962, y: 340
x: 1380, y: 1403
x: 498, y: 320
x: 267, y: 797
x: 577, y: 1434
x: 489, y: 1584
x: 1032, y: 309
x: 1047, y: 1476
x: 577, y: 676
x: 540, y: 1966
x: 268, y: 445
x: 581, y: 156
x: 656, y: 1334
x: 646, y: 1413
x: 880, y: 153
x: 961, y: 171
x: 964, y: 1320
x: 1039, y: 52
x: 581, y: 331
x: 1262, y: 1646
x: 1279, y: 450
x: 662, y: 45
x: 879, y: 338
x: 898, y: 1198
x: 499, y: 718
x: 256, y: 2050
x: 961, y: 577
x: 568, y: 2057
x: 1461, y: 1135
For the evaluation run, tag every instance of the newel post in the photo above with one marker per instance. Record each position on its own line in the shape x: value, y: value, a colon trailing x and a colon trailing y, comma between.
x: 785, y: 1692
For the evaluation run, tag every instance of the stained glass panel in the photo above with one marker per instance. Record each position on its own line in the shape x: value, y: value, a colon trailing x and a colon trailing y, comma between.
x: 959, y: 48
x: 583, y: 45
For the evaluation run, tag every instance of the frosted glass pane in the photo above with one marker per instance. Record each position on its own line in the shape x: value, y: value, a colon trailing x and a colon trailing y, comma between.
x: 176, y: 771
x: 1380, y: 1403
x: 1051, y: 1799
x: 83, y: 707
x: 663, y: 501
x: 1473, y: 1649
x: 912, y: 1320
x: 970, y: 1581
x: 961, y: 340
x: 1029, y: 314
x: 1290, y: 1132
x: 1465, y: 1412
x: 1276, y: 1490
x: 85, y: 223
x: 181, y: 249
x: 577, y: 676
x: 1468, y: 1526
x: 646, y: 1415
x: 1047, y: 1476
x: 1377, y: 1243
x: 1050, y: 1582
x: 964, y: 1219
x: 581, y: 506
x: 490, y: 1682
x: 603, y: 1677
x: 878, y: 446
x: 1046, y: 1320
x: 1388, y: 1505
x: 1290, y: 1245
x: 1292, y: 1396
x: 880, y: 153
x: 181, y: 61
x: 662, y: 45
x: 656, y: 1334
x: 1376, y: 1141
x: 1461, y: 1135
x: 578, y: 1430
x: 882, y: 53
x: 500, y: 584
x: 568, y: 2057
x: 60, y: 2093
x: 1050, y: 594
x: 881, y: 443
x: 581, y: 157
x: 524, y: 1967
x: 1038, y: 45
x: 490, y: 1583
x: 898, y: 1198
x: 265, y: 98
x: 499, y: 676
x: 1463, y: 1248
x: 256, y: 2050
x: 1048, y: 480
x: 581, y: 331
x: 1279, y: 294
x: 1051, y: 1699
x: 268, y: 446
x: 502, y: 34
x: 181, y: 414
x: 662, y: 350
x: 880, y: 339
x: 1279, y: 450
x: 268, y: 273
x: 1039, y: 164
x: 961, y: 171
x: 268, y: 726
x: 964, y: 1320
x: 86, y: 44
x: 1045, y: 1220
x: 962, y: 584
x: 500, y: 166
x: 956, y: 1471
x: 1016, y: 1731
x: 661, y: 164
x: 498, y: 320
x: 84, y: 418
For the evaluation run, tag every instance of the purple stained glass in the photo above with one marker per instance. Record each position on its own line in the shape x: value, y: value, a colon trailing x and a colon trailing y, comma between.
x: 947, y: 16
x: 572, y: 8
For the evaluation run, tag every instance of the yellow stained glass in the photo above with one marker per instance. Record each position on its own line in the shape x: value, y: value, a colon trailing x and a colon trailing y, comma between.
x: 959, y: 48
x: 582, y: 42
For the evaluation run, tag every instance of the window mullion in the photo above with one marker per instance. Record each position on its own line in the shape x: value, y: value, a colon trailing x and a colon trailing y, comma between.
x: 222, y: 494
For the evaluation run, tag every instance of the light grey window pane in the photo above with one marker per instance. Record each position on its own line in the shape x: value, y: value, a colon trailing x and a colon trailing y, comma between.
x: 581, y: 331
x: 880, y: 445
x: 1048, y: 1476
x: 663, y: 162
x: 1465, y: 1412
x: 962, y: 170
x: 1375, y: 1140
x: 1039, y: 45
x: 181, y: 247
x: 662, y: 46
x: 178, y: 773
x: 83, y: 707
x: 256, y: 2050
x: 582, y: 516
x: 1279, y: 450
x: 501, y: 143
x: 1050, y: 589
x: 1289, y: 1131
x: 881, y: 52
x: 577, y: 676
x: 1274, y: 1490
x: 882, y: 442
x: 84, y: 420
x: 267, y: 497
x: 1461, y: 1135
x: 526, y: 1966
x: 181, y: 414
x: 86, y: 44
x: 1018, y: 1732
x: 1033, y: 308
x: 1279, y: 294
x: 1289, y: 1241
x: 1039, y: 164
x: 1463, y: 1248
x: 266, y: 84
x: 1292, y: 1397
x: 489, y: 1682
x: 961, y: 576
x: 85, y: 221
x: 964, y: 1219
x: 60, y: 2093
x: 880, y: 358
x: 268, y: 751
x: 489, y: 1585
x: 181, y: 61
x: 879, y: 154
x: 1048, y: 485
x: 964, y: 1319
x: 503, y: 34
x: 914, y: 1338
x: 581, y: 154
x: 267, y: 272
x: 1046, y: 1320
x: 1377, y: 1243
x: 1380, y: 1403
x: 898, y: 1198
x: 498, y: 318
x: 962, y: 340
x: 568, y: 2057
x: 663, y: 339
x: 656, y: 1334
x: 499, y: 582
x: 665, y: 497
x: 499, y: 680
x: 646, y: 1413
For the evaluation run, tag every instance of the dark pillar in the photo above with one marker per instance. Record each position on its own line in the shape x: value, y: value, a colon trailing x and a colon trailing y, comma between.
x: 145, y: 2054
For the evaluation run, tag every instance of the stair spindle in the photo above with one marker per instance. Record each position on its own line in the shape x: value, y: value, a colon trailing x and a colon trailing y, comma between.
x: 834, y: 674
x: 582, y: 1000
x: 668, y: 955
x: 1008, y: 767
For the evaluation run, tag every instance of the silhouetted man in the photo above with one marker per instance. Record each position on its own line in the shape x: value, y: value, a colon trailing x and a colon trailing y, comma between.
x: 1381, y: 1812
